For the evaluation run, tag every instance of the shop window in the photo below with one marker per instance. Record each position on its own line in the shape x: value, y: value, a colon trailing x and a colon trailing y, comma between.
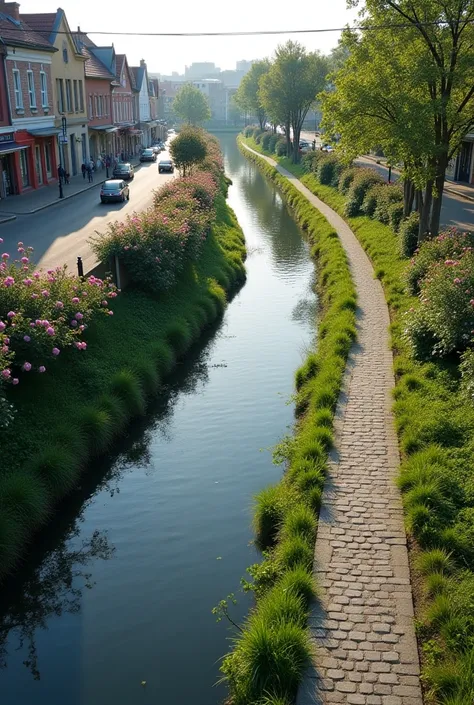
x: 60, y: 92
x: 17, y: 89
x: 24, y: 170
x: 68, y: 95
x: 48, y: 159
x: 44, y: 89
x: 31, y: 88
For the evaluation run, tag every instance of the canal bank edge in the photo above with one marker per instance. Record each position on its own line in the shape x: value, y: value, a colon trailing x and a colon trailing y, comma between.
x: 274, y: 650
x: 343, y: 675
x: 75, y: 416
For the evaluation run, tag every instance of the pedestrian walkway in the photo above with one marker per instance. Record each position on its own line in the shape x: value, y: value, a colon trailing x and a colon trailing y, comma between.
x: 46, y: 196
x: 362, y: 627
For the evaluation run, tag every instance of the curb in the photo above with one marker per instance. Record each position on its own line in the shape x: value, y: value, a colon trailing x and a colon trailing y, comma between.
x: 7, y: 219
x: 54, y: 203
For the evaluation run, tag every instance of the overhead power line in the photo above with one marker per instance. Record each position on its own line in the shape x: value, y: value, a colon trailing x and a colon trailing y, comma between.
x: 257, y: 33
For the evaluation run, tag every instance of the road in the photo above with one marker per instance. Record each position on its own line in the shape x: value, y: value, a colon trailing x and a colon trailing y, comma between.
x: 60, y: 234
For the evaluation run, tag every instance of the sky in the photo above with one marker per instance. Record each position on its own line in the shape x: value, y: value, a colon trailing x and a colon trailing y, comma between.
x: 167, y: 54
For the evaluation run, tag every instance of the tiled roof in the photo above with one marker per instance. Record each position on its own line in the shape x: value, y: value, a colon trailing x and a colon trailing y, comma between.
x: 119, y: 61
x: 94, y: 68
x: 21, y: 34
x: 43, y: 23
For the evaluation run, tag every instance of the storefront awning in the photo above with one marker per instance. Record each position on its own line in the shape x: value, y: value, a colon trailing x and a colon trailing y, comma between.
x: 111, y: 129
x: 11, y: 147
x: 153, y: 123
x: 103, y: 128
x: 45, y: 132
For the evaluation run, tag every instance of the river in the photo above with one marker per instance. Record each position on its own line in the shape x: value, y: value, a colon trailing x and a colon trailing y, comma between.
x: 115, y: 609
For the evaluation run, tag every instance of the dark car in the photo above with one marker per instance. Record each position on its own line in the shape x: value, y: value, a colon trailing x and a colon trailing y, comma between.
x: 148, y: 155
x: 165, y: 165
x: 114, y: 190
x: 124, y: 171
x: 158, y: 147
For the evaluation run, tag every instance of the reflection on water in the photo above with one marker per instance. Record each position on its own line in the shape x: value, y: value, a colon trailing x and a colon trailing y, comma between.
x: 121, y: 587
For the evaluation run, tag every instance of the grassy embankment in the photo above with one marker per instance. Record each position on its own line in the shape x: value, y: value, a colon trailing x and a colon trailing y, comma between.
x: 72, y: 414
x: 273, y: 649
x: 435, y: 425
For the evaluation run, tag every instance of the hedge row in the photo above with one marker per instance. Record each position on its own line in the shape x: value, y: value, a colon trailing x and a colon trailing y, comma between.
x: 435, y: 422
x: 269, y: 657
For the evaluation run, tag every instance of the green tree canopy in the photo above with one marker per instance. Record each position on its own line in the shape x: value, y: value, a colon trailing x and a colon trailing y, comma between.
x: 188, y: 149
x: 191, y: 105
x: 248, y: 96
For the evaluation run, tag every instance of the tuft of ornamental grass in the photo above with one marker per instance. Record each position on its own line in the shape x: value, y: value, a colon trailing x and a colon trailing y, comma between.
x: 193, y: 322
x: 434, y: 561
x: 57, y: 468
x: 126, y: 386
x: 148, y: 375
x: 312, y: 450
x: 11, y: 539
x: 439, y: 611
x: 418, y: 518
x: 222, y: 278
x: 436, y: 584
x: 276, y: 700
x: 163, y: 357
x: 300, y: 581
x: 179, y: 336
x: 310, y: 368
x: 73, y: 439
x: 325, y: 397
x: 308, y: 480
x: 323, y: 418
x: 422, y: 467
x: 314, y: 498
x: 25, y: 496
x: 115, y: 408
x: 299, y: 522
x: 200, y: 316
x: 269, y: 661
x: 282, y: 607
x: 323, y: 435
x: 98, y: 428
x: 294, y: 551
x: 427, y: 494
x: 269, y: 510
x: 209, y: 306
x: 218, y: 295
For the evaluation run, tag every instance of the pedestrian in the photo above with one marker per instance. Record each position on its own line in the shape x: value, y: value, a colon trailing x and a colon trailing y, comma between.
x: 61, y: 173
x: 83, y: 169
x: 91, y: 164
x: 66, y: 177
x: 90, y: 173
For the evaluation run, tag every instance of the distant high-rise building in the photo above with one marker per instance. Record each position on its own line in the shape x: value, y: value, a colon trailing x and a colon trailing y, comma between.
x: 201, y: 69
x: 243, y: 66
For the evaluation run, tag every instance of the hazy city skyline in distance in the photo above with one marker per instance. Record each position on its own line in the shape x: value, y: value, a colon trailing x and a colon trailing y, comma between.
x: 167, y: 54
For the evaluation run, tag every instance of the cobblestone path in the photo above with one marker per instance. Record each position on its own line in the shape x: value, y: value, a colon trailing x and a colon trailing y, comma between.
x: 362, y: 628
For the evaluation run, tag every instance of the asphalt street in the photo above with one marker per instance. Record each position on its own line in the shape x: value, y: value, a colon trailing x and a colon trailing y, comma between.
x: 60, y: 234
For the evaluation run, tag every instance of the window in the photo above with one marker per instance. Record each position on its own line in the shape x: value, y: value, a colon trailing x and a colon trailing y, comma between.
x: 25, y: 176
x: 76, y: 96
x: 100, y: 105
x: 48, y: 159
x: 68, y: 95
x: 81, y: 97
x: 44, y: 89
x: 91, y: 109
x: 31, y: 88
x: 17, y: 89
x: 60, y: 92
x: 65, y: 54
x: 106, y: 105
x: 96, y: 106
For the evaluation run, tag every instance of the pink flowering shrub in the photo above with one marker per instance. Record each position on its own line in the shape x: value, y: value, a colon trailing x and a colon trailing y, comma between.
x: 443, y: 322
x: 41, y: 313
x: 450, y: 244
x: 155, y: 245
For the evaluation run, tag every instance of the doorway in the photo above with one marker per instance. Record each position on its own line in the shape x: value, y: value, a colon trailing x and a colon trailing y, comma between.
x: 48, y: 159
x: 8, y: 180
x: 39, y: 167
x: 73, y: 154
x: 465, y: 157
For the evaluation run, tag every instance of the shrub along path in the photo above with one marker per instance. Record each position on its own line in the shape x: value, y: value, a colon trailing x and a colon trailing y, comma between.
x: 363, y: 626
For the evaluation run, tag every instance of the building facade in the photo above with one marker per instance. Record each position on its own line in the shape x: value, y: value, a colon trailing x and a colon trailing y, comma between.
x: 461, y: 167
x: 127, y: 135
x: 28, y: 136
x: 145, y: 123
x: 68, y: 89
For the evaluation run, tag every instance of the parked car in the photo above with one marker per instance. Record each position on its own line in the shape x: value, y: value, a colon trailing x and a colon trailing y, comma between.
x: 158, y: 147
x: 148, y: 155
x: 171, y: 131
x: 124, y: 171
x: 114, y: 190
x: 304, y: 147
x: 327, y: 148
x: 165, y: 165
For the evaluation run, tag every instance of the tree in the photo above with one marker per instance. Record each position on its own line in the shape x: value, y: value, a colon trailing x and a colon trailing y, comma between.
x: 421, y: 76
x: 294, y: 80
x: 234, y: 112
x: 248, y: 96
x: 191, y: 105
x: 188, y: 149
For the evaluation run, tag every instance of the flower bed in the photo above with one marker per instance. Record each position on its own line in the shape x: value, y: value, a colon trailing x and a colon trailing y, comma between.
x: 435, y: 423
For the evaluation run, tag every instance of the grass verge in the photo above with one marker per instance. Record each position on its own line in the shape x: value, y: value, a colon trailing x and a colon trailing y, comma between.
x: 273, y: 649
x: 435, y: 426
x: 75, y: 414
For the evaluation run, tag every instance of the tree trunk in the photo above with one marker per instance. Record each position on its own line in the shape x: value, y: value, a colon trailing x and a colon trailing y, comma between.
x: 288, y: 138
x: 408, y: 196
x: 423, y: 231
x: 438, y: 199
x: 296, y: 143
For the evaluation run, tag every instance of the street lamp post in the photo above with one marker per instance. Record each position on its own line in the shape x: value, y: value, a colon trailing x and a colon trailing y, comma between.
x: 63, y: 138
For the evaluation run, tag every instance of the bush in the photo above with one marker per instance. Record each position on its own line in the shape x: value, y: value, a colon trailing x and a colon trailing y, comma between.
x: 258, y: 135
x: 346, y: 179
x: 248, y: 131
x: 329, y: 169
x: 272, y: 142
x: 281, y: 147
x: 265, y: 141
x: 409, y: 234
x: 395, y: 214
x: 386, y: 196
x: 449, y: 245
x: 361, y: 182
x: 371, y: 198
x: 310, y: 161
x: 271, y: 504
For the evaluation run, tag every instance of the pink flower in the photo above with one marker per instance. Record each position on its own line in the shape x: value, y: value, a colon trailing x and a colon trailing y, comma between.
x: 21, y: 249
x: 6, y: 341
x: 26, y: 338
x: 15, y: 380
x: 55, y: 351
x: 41, y: 368
x: 50, y: 330
x: 20, y: 244
x: 3, y: 325
x: 27, y: 366
x: 75, y: 300
x: 36, y: 275
x: 111, y: 313
x: 59, y: 304
x: 81, y: 345
x: 35, y: 296
x: 79, y: 316
x: 1, y: 240
x: 6, y: 374
x: 45, y: 293
x: 9, y: 281
x: 457, y: 280
x: 11, y: 314
x: 104, y: 303
x: 25, y: 260
x: 28, y: 282
x: 5, y: 256
x: 73, y: 323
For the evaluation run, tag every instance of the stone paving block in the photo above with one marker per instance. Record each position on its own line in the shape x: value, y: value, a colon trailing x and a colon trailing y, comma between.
x: 361, y: 560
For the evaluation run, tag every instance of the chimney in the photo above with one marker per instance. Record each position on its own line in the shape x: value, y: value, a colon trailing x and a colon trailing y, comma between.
x: 142, y: 62
x: 12, y: 9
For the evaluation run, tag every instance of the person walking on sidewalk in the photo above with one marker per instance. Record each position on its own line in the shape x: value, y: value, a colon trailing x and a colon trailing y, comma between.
x: 89, y: 173
x: 83, y: 169
x: 61, y: 173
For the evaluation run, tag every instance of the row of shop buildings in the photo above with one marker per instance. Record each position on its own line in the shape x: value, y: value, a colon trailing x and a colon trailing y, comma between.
x: 65, y: 101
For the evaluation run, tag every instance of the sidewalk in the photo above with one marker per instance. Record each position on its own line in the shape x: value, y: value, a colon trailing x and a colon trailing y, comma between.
x: 47, y: 196
x: 455, y: 187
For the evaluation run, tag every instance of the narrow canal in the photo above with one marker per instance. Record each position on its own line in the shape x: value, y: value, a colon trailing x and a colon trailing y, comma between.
x: 117, y: 608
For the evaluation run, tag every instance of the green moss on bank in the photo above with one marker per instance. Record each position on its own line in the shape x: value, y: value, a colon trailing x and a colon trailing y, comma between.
x: 273, y: 650
x: 435, y: 425
x: 73, y: 413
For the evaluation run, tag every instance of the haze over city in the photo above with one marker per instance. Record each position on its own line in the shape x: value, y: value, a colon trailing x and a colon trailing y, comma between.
x: 168, y: 54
